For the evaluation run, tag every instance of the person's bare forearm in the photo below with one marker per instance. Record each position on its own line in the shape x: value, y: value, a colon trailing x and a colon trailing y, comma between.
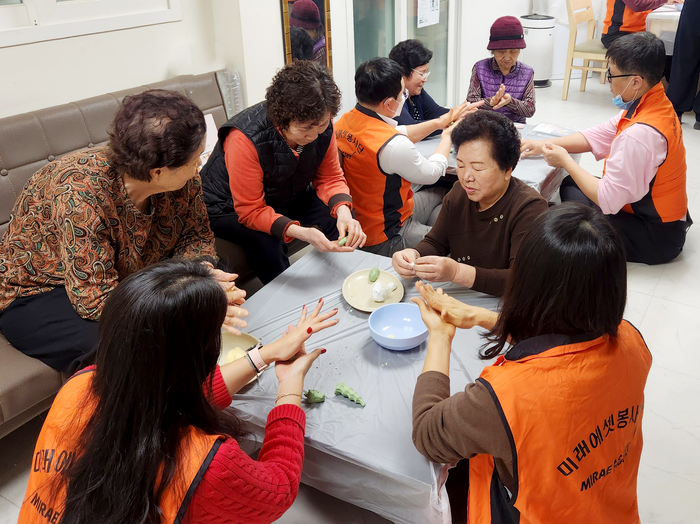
x: 444, y: 147
x: 574, y: 144
x: 417, y: 132
x: 438, y: 355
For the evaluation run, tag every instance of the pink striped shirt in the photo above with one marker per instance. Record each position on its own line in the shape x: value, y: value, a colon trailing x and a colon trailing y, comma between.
x: 633, y: 158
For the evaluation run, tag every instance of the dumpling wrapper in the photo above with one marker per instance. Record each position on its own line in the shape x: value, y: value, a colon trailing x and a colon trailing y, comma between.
x: 379, y: 292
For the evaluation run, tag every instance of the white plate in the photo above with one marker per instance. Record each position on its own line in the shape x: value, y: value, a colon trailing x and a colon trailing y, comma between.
x: 357, y: 290
x: 234, y: 347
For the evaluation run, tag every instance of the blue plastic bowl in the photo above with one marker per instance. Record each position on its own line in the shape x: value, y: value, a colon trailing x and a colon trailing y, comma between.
x: 397, y: 326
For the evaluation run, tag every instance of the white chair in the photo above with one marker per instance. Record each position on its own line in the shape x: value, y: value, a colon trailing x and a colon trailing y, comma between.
x: 590, y: 50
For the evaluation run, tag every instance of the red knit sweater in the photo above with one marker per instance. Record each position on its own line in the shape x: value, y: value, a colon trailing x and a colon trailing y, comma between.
x: 236, y: 488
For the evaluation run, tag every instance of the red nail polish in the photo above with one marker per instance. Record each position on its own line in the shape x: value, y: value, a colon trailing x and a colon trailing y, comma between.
x: 320, y: 299
x: 323, y: 351
x: 309, y: 331
x: 336, y: 309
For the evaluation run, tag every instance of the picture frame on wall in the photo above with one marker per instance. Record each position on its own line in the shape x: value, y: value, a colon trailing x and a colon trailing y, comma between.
x: 306, y: 25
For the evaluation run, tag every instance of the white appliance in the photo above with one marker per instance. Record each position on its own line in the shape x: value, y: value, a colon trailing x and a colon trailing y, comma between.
x: 539, y: 53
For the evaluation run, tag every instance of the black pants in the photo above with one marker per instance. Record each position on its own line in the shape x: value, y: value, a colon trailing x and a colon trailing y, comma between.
x: 266, y: 254
x: 685, y: 71
x: 646, y: 240
x: 46, y: 327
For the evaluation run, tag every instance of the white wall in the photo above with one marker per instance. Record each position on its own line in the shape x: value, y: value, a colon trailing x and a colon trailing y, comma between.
x: 60, y: 71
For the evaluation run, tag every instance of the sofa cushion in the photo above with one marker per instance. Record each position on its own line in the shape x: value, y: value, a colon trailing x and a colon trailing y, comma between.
x: 24, y: 381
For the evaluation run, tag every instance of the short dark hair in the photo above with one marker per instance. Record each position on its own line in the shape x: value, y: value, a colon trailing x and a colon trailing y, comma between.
x: 641, y: 53
x: 495, y: 129
x: 303, y: 92
x: 377, y: 79
x: 410, y: 54
x: 154, y: 129
x: 569, y: 278
x: 301, y: 43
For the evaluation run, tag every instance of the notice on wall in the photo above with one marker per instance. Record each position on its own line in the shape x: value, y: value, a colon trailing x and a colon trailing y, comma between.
x: 211, y: 139
x: 428, y: 12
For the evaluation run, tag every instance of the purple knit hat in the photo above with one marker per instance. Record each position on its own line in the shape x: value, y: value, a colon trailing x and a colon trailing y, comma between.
x: 305, y: 14
x: 506, y: 33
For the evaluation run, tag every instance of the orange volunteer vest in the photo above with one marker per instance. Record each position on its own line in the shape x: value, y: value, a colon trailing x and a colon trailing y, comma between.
x: 667, y: 199
x: 620, y: 18
x: 576, y: 450
x: 55, y: 452
x: 382, y: 201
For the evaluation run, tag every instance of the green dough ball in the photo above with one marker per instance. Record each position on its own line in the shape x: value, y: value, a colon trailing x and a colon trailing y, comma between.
x: 314, y: 397
x: 374, y: 274
x: 342, y: 241
x: 348, y: 392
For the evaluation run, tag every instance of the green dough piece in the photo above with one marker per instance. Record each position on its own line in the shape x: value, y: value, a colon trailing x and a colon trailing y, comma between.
x: 374, y: 274
x: 342, y: 241
x: 348, y: 392
x: 314, y: 397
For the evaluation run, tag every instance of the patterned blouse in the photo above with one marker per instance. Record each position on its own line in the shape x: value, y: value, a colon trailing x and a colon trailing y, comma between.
x: 74, y: 225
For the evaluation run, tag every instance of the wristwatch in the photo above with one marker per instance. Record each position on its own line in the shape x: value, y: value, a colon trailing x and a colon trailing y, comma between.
x: 255, y: 359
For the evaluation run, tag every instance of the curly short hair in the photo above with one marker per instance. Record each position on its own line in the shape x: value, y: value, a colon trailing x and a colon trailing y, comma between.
x: 410, y: 54
x: 495, y: 129
x: 303, y: 92
x: 154, y: 129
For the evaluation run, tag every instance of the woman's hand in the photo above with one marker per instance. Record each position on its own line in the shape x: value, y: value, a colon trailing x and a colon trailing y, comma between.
x: 495, y: 99
x: 436, y: 269
x: 235, y: 298
x: 317, y: 239
x: 555, y: 156
x: 453, y: 311
x: 504, y: 101
x: 293, y: 340
x: 298, y: 365
x: 531, y: 148
x: 432, y: 320
x: 403, y: 262
x: 350, y: 227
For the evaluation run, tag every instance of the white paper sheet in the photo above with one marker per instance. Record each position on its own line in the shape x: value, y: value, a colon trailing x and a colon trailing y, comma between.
x: 428, y: 12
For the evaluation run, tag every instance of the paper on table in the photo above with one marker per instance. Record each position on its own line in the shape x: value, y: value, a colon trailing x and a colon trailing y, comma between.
x: 428, y: 12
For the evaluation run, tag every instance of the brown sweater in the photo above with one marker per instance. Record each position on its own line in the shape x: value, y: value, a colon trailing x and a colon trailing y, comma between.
x: 451, y: 428
x: 487, y: 240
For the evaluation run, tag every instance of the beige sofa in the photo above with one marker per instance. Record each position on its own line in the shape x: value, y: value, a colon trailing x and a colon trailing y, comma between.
x: 29, y: 141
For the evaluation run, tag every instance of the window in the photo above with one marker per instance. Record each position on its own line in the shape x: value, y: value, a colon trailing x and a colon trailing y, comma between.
x: 28, y: 21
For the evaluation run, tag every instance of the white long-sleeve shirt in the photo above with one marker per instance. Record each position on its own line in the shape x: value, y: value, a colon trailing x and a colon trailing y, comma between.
x: 400, y: 156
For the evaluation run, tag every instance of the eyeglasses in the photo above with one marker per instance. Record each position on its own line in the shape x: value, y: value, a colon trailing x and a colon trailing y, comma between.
x: 424, y: 75
x: 610, y: 77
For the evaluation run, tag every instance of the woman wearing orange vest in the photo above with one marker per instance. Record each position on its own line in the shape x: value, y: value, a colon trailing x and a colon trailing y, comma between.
x: 642, y: 191
x: 623, y: 17
x: 136, y: 439
x: 553, y: 429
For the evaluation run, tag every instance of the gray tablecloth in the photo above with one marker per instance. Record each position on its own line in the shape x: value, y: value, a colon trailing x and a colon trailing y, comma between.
x: 364, y: 456
x: 534, y: 171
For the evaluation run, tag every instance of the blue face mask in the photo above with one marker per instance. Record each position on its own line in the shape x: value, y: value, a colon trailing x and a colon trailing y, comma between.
x: 622, y: 104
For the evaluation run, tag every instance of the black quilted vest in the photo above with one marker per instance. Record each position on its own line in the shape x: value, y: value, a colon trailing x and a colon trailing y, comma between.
x: 284, y: 175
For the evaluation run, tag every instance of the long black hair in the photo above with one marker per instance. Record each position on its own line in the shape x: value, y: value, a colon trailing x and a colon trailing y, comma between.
x: 159, y: 340
x: 569, y: 278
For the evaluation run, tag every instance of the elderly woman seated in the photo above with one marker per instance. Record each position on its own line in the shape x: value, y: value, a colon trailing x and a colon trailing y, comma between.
x: 85, y: 222
x: 484, y: 217
x: 505, y: 84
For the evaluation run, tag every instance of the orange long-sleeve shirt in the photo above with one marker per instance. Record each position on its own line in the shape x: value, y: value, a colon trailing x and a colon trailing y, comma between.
x: 247, y: 190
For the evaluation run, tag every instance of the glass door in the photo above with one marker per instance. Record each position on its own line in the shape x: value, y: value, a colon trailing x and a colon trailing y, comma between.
x: 374, y: 22
x: 435, y: 38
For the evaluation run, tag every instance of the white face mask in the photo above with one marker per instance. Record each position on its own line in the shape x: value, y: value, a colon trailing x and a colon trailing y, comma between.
x: 401, y: 101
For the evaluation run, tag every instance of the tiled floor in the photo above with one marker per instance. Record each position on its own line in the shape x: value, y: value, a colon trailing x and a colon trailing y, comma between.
x: 663, y: 302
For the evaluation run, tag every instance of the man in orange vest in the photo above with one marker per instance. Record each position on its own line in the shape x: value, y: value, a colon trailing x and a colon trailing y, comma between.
x: 623, y: 17
x: 643, y: 188
x: 381, y: 163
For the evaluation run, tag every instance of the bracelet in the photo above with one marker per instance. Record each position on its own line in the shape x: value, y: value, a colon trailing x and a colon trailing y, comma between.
x: 286, y: 395
x: 252, y: 364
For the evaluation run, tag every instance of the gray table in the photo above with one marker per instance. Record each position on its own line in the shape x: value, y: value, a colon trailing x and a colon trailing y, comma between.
x: 534, y: 171
x: 364, y: 456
